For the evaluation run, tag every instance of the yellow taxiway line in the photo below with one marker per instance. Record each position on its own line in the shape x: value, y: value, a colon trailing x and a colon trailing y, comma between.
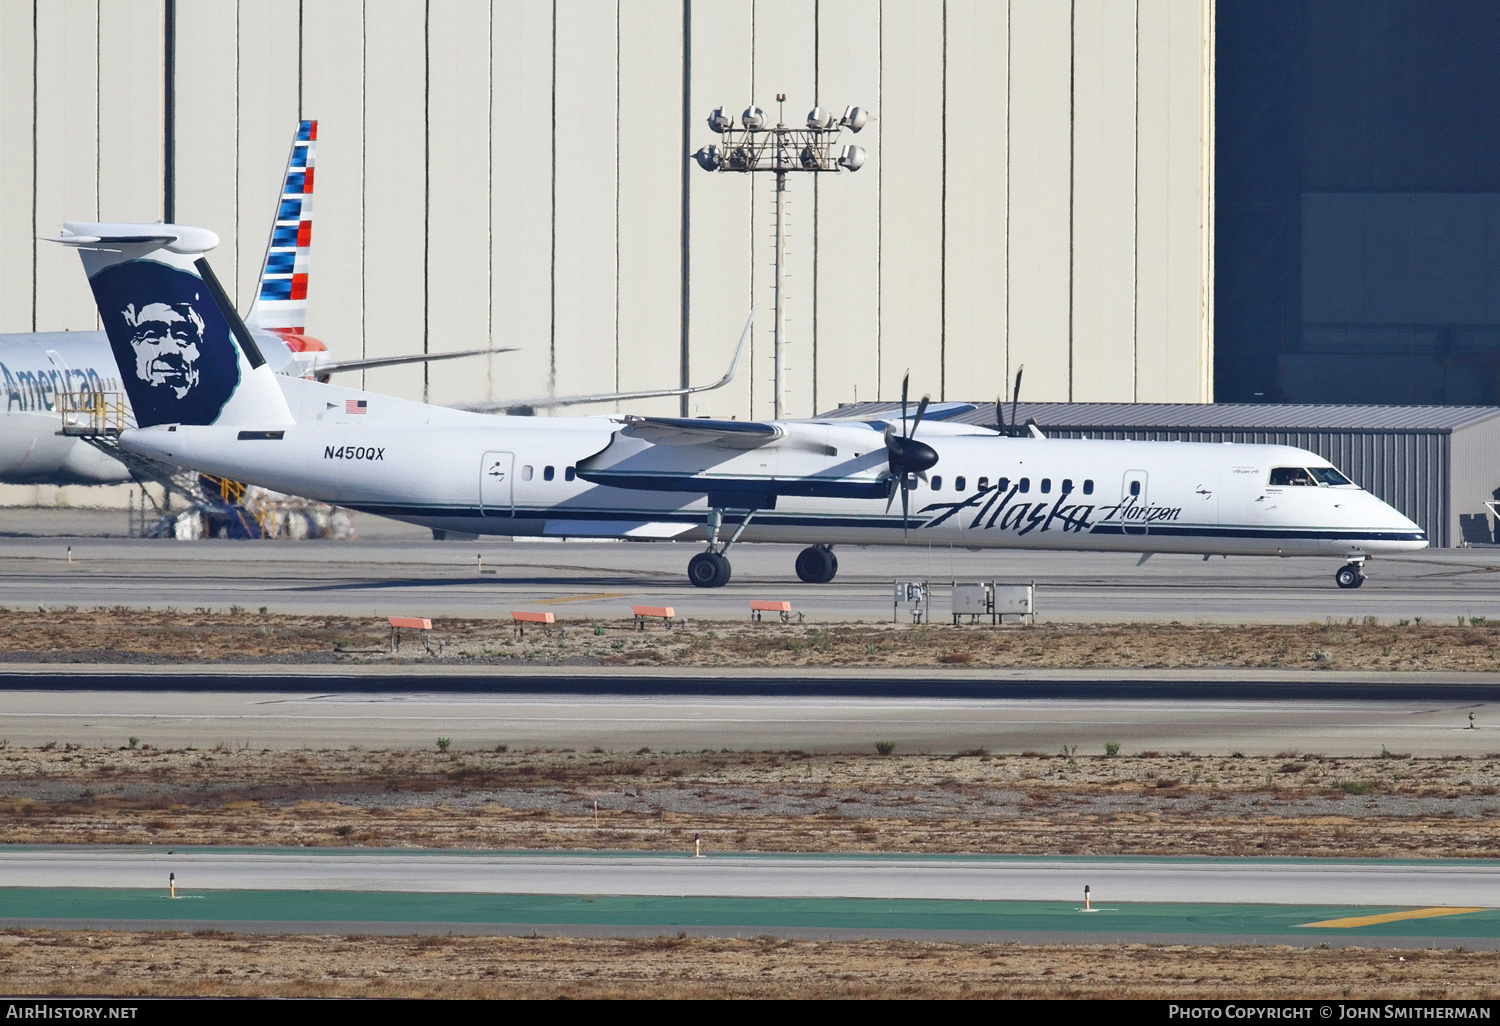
x: 1391, y: 917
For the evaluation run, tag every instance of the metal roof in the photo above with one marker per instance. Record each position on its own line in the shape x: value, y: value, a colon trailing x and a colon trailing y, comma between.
x: 1214, y: 416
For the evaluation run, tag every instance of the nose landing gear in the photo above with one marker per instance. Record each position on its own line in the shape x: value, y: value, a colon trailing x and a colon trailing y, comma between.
x: 817, y: 564
x: 1351, y: 574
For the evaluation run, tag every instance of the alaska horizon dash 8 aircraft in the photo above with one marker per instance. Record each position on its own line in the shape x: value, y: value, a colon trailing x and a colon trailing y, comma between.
x: 822, y: 481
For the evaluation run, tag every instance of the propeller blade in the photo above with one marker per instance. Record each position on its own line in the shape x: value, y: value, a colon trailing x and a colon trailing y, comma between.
x: 1015, y: 396
x: 905, y: 507
x: 905, y: 382
x: 921, y: 409
x: 1000, y: 414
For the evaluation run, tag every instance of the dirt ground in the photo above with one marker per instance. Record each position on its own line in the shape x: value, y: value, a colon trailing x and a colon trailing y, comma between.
x: 1036, y: 803
x: 223, y: 964
x: 117, y: 634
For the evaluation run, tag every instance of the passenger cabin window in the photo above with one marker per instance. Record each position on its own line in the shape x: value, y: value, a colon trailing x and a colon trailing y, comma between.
x: 1088, y: 486
x: 570, y: 474
x: 1291, y: 476
x: 1067, y: 486
x: 984, y: 484
x: 937, y: 483
x: 1046, y: 485
x: 1025, y: 485
x: 1135, y: 488
x: 526, y: 472
x: 1003, y: 485
x: 958, y: 483
x: 547, y: 473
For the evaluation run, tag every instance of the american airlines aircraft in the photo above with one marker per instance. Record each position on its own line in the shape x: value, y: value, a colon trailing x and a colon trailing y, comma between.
x: 822, y: 482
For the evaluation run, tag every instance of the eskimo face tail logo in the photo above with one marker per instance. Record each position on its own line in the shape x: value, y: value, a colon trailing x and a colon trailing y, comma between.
x: 171, y: 342
x: 168, y: 342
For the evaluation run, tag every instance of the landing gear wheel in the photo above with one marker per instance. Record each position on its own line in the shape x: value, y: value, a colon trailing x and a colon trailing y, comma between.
x: 708, y: 570
x: 817, y: 564
x: 1349, y: 576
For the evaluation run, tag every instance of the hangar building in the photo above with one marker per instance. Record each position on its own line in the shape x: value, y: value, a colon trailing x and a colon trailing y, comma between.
x: 1039, y: 187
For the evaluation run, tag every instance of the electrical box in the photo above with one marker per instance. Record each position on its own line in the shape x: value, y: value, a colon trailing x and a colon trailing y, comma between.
x: 913, y: 595
x: 1014, y: 600
x: 993, y: 599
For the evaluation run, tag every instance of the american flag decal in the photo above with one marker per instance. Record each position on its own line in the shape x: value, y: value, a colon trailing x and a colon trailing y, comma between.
x: 356, y: 406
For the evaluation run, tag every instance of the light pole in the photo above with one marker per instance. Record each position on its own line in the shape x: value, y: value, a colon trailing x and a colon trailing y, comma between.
x: 758, y: 146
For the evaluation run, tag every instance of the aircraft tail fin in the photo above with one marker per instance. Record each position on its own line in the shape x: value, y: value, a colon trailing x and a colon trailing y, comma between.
x: 280, y: 305
x: 184, y: 354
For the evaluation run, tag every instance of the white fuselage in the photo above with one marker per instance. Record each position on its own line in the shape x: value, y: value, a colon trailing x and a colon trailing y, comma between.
x: 458, y: 471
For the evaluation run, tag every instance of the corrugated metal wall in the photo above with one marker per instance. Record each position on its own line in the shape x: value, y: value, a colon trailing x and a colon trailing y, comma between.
x: 1408, y: 469
x: 1475, y: 470
x: 1039, y: 188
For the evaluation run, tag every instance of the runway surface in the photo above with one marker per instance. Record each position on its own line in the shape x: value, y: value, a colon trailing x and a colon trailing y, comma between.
x: 1192, y: 900
x: 1256, y: 717
x: 580, y: 579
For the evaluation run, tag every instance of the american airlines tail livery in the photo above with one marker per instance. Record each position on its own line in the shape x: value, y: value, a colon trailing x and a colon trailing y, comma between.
x: 821, y: 482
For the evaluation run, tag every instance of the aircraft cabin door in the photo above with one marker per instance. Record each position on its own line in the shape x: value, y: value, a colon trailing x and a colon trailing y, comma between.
x: 1133, y: 500
x: 495, y: 484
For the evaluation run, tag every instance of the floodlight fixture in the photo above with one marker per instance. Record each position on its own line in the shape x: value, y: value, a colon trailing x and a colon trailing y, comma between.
x: 820, y: 120
x: 779, y: 149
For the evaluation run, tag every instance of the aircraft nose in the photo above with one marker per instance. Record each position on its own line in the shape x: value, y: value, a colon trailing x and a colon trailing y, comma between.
x: 1392, y: 519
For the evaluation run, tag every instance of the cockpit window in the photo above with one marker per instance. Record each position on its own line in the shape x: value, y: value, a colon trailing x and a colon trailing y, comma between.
x: 1283, y: 476
x: 1329, y: 476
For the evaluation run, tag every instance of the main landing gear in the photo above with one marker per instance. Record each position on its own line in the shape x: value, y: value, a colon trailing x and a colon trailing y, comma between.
x: 1351, y: 574
x: 817, y: 564
x: 710, y: 569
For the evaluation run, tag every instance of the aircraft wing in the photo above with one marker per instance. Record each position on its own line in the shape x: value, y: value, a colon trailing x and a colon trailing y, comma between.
x: 336, y: 366
x: 527, y: 406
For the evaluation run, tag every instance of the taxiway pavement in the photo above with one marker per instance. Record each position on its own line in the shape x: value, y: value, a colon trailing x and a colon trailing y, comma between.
x: 1257, y: 714
x: 1307, y: 902
x: 490, y: 577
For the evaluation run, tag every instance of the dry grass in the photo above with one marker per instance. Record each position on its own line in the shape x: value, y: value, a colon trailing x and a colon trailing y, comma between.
x: 165, y: 636
x: 1288, y: 804
x: 214, y: 963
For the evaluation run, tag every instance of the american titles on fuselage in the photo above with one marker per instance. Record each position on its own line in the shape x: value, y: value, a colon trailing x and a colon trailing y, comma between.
x: 36, y: 391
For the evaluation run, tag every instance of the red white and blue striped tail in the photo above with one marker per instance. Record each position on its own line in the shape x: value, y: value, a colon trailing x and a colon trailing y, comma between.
x: 281, y: 304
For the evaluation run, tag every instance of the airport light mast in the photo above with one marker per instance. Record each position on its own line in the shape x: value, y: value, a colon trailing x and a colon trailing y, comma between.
x: 759, y: 146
